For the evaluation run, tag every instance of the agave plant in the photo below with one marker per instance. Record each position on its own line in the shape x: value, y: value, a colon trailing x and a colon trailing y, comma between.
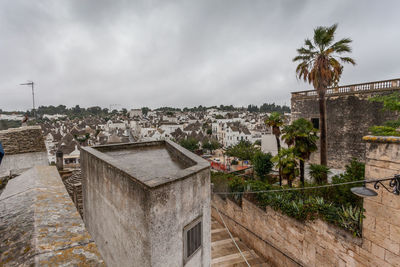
x: 351, y: 219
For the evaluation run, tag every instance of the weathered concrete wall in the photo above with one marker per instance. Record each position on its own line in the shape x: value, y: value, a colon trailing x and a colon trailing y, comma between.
x: 381, y: 227
x: 24, y: 148
x: 284, y: 241
x: 349, y: 117
x: 40, y: 226
x: 115, y: 213
x: 175, y: 206
x: 18, y: 162
x: 137, y: 225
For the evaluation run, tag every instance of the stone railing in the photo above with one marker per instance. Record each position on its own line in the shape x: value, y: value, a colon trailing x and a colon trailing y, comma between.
x: 352, y: 88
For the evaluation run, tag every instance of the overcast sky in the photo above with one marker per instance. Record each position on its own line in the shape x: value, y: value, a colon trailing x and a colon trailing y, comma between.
x: 180, y: 53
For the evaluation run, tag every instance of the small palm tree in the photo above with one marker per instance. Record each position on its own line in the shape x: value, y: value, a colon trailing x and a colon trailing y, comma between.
x: 303, y: 137
x: 319, y: 64
x: 275, y: 120
x: 286, y: 161
x: 319, y: 172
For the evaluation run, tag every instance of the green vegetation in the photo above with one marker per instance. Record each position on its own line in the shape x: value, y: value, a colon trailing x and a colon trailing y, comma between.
x: 190, y: 144
x: 6, y: 124
x: 336, y: 205
x: 391, y: 103
x: 211, y: 145
x: 275, y: 120
x: 244, y: 150
x: 145, y: 111
x: 286, y: 161
x: 268, y: 108
x: 319, y: 64
x: 319, y: 173
x: 262, y: 164
x: 303, y: 137
x: 73, y: 112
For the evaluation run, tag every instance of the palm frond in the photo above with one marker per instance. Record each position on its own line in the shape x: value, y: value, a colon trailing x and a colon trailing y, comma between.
x: 308, y: 43
x: 348, y: 60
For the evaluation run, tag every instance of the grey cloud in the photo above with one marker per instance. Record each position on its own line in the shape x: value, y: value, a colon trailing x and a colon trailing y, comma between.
x: 180, y: 53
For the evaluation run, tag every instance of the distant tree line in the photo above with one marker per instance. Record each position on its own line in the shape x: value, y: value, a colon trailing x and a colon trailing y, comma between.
x: 78, y: 111
x: 75, y: 111
x: 268, y: 108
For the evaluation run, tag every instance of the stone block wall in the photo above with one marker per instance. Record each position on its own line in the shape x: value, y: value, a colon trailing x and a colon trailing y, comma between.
x: 381, y: 227
x: 349, y: 116
x: 22, y: 140
x: 283, y: 241
x: 24, y: 148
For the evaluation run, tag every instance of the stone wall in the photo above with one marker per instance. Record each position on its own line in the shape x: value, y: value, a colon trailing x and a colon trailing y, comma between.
x: 381, y: 227
x: 22, y: 140
x: 349, y: 117
x: 24, y: 148
x: 283, y: 241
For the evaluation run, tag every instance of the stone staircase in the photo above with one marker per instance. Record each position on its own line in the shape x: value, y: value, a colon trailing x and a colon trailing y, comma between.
x: 225, y: 253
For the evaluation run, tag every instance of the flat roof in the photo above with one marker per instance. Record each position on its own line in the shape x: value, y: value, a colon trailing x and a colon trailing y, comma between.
x: 151, y: 163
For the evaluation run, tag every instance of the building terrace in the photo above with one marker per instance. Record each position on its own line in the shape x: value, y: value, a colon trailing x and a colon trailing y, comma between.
x: 377, y: 86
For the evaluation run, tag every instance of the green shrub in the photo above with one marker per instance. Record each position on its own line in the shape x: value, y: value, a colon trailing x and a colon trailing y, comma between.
x: 318, y: 172
x: 336, y: 205
x: 262, y: 164
x: 351, y: 219
x: 384, y: 131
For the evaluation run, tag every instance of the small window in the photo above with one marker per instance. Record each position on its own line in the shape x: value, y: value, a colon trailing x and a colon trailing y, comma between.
x: 315, y: 122
x: 192, y: 235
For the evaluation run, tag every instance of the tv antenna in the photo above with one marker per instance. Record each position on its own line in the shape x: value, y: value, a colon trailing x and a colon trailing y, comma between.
x: 32, y: 84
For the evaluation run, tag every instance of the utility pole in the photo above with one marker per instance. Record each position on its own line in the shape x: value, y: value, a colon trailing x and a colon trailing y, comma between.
x: 32, y: 84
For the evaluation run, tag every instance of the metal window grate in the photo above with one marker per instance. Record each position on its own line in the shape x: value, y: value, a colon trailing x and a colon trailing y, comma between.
x: 192, y: 238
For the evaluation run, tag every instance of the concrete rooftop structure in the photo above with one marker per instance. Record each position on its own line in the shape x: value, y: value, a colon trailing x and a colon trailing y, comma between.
x: 147, y: 204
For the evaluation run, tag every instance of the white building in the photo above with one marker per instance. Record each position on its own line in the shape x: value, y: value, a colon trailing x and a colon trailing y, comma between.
x: 135, y: 113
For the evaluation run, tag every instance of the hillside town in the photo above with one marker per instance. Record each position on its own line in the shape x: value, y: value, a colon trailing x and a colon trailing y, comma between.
x: 225, y: 128
x: 158, y: 134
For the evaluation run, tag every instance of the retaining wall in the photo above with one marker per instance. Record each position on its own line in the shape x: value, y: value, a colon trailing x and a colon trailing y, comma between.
x: 284, y: 241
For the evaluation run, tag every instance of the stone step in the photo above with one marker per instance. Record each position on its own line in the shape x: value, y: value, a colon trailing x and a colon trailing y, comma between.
x: 223, y: 242
x: 214, y: 231
x: 231, y: 259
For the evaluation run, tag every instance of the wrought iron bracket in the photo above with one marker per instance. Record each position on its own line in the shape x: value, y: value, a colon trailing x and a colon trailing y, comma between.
x: 394, y: 184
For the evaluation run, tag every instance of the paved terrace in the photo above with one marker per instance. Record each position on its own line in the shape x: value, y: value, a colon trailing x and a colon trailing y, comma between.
x: 39, y: 224
x: 377, y: 86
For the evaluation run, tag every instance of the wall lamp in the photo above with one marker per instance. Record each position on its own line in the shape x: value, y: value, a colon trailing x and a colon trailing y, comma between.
x: 394, y: 184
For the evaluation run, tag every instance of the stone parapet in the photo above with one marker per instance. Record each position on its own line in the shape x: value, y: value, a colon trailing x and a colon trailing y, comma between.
x: 40, y: 226
x: 22, y: 140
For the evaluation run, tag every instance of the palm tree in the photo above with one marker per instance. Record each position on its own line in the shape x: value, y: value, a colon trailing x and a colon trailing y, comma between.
x: 320, y: 66
x: 303, y: 137
x: 286, y: 161
x: 275, y: 120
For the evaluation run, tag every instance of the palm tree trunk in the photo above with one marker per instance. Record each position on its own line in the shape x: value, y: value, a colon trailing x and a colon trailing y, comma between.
x: 278, y: 144
x: 302, y: 172
x: 322, y: 127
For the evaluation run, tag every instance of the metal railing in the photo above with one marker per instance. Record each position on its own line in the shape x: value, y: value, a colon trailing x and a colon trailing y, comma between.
x: 361, y: 87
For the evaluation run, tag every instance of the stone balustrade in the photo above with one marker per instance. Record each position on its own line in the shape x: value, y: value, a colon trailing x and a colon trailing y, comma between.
x: 353, y: 88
